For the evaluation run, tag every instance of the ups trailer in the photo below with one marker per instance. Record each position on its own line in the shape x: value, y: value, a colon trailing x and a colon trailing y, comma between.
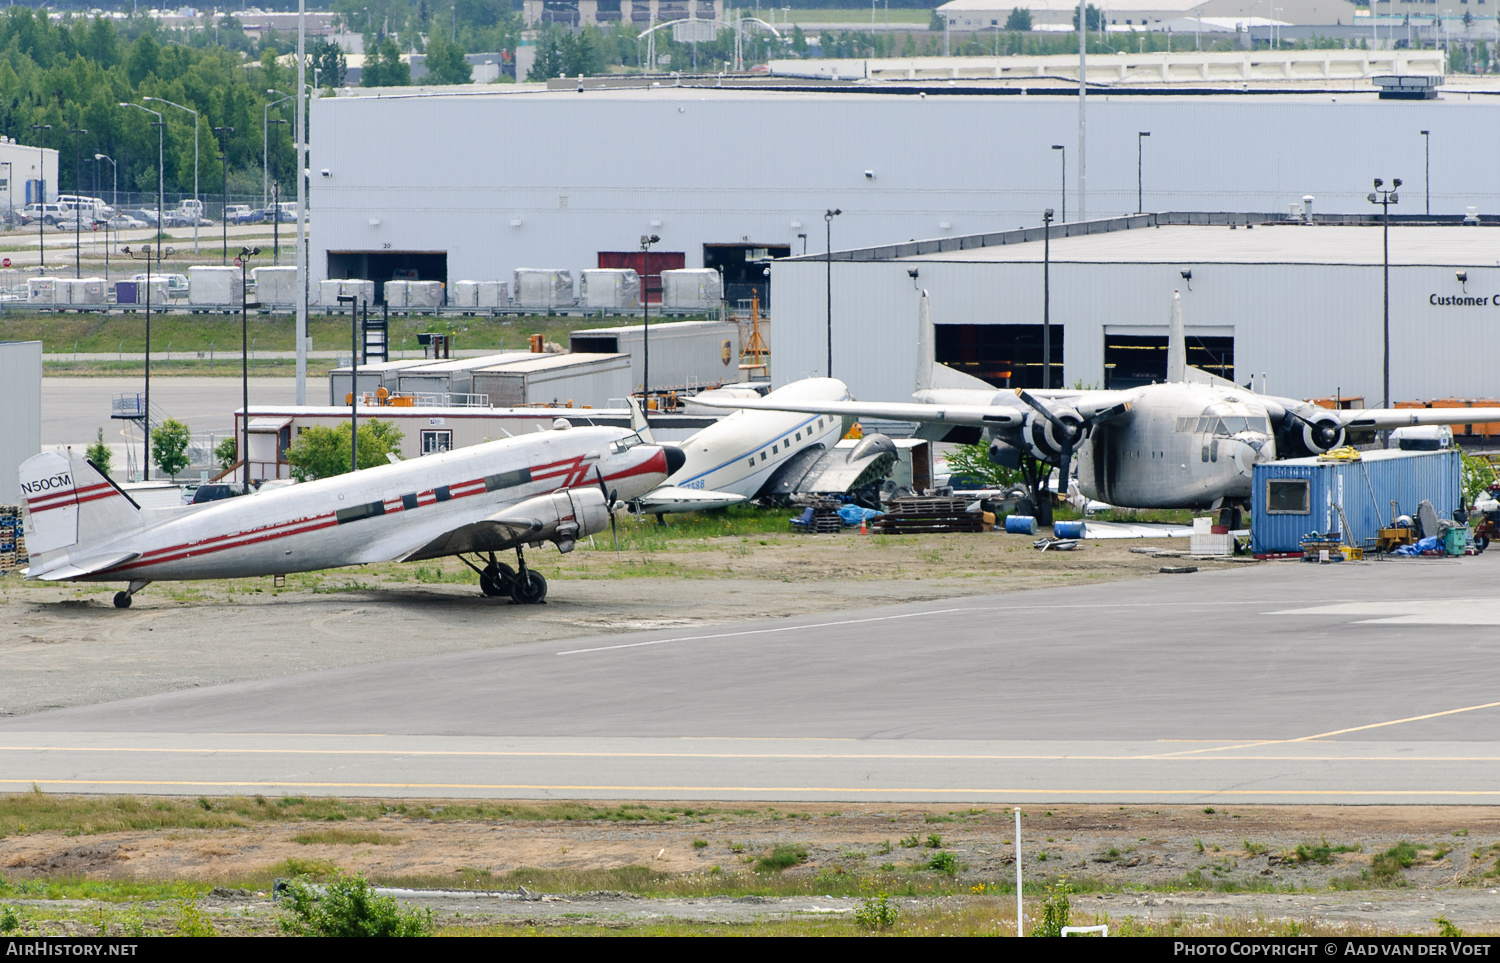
x: 1302, y: 496
x: 584, y: 380
x: 684, y: 354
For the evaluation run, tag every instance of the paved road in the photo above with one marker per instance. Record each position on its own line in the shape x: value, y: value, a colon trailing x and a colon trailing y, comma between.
x: 1280, y: 683
x: 73, y: 409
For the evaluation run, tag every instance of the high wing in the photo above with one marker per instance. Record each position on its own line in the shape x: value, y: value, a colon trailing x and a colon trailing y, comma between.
x: 977, y: 415
x: 1001, y: 413
x: 1402, y: 417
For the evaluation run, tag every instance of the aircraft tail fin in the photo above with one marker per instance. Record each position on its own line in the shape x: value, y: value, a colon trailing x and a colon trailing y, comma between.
x: 69, y: 501
x: 639, y: 424
x: 1176, y: 342
x: 930, y: 374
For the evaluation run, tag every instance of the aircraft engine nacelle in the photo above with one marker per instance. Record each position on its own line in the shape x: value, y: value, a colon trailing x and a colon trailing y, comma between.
x: 1041, y: 435
x: 1005, y: 454
x: 1323, y: 433
x: 566, y: 516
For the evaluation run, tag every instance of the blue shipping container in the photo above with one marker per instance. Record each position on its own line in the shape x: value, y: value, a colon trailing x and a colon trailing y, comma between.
x: 1295, y: 497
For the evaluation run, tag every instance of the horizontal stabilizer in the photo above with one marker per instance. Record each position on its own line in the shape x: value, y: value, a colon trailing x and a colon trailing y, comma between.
x: 71, y: 569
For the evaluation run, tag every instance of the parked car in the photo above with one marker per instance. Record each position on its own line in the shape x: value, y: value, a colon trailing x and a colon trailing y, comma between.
x: 124, y: 222
x: 216, y: 491
x: 49, y: 213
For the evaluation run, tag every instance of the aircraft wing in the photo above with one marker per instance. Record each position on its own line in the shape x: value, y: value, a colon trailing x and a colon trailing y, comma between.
x: 1402, y: 417
x: 983, y: 416
x: 504, y: 529
x: 671, y: 498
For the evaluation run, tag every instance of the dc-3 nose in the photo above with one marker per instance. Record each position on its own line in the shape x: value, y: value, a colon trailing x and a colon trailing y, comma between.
x: 676, y: 458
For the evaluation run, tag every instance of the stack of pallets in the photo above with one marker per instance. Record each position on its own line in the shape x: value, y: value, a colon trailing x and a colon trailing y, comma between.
x: 913, y: 516
x: 820, y: 516
x: 12, y: 539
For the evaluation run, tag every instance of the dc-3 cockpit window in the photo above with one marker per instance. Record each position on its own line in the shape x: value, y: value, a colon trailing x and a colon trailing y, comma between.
x: 625, y: 444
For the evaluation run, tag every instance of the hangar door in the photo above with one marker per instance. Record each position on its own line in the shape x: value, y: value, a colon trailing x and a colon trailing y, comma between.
x: 382, y: 266
x: 1005, y: 355
x: 1137, y: 356
x: 744, y: 269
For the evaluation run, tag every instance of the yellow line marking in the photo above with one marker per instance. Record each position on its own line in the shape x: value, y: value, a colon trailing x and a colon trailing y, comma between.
x: 1334, y: 732
x: 519, y: 754
x: 1382, y: 793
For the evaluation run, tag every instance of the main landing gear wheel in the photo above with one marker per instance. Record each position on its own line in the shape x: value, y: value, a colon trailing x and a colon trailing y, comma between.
x: 122, y: 600
x: 496, y: 579
x: 529, y: 587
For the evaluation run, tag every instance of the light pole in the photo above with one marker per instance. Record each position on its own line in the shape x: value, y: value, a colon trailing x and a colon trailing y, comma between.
x: 350, y: 300
x: 161, y: 174
x: 196, y: 203
x: 1140, y: 138
x: 1385, y: 198
x: 265, y: 147
x: 1047, y: 299
x: 242, y: 262
x: 146, y: 413
x: 1063, y: 192
x: 41, y: 208
x: 114, y: 202
x: 224, y: 133
x: 1427, y: 172
x: 646, y: 241
x: 78, y: 212
x: 828, y: 217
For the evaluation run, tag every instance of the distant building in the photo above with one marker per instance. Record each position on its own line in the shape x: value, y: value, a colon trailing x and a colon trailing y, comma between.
x: 1142, y: 14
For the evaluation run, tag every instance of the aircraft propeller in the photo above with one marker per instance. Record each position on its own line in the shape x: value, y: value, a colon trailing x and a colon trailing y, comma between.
x: 609, y: 502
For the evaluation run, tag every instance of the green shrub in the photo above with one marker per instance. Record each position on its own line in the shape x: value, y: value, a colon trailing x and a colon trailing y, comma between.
x: 782, y: 857
x: 943, y: 862
x: 10, y: 920
x: 876, y: 914
x: 1055, y: 910
x: 348, y: 906
x: 1386, y: 867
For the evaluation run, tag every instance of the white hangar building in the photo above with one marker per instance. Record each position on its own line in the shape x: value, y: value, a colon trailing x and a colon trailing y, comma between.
x: 445, y: 185
x: 1300, y: 304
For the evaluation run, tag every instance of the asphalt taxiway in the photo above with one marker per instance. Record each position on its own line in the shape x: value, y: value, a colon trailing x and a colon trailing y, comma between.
x: 1277, y: 683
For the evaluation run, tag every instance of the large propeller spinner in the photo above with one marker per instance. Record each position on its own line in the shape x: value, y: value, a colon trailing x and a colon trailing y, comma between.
x: 1069, y: 433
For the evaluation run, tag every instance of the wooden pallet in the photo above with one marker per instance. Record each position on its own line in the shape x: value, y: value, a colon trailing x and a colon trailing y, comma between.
x: 892, y: 524
x: 927, y: 506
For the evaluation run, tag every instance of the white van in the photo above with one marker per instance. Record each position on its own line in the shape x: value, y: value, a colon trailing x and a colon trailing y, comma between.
x: 92, y: 208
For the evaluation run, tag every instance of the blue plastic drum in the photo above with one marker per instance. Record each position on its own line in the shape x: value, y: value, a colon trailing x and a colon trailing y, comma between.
x: 1068, y: 529
x: 1020, y: 525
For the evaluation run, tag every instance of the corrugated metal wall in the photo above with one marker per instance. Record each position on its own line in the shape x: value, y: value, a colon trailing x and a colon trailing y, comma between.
x: 589, y: 172
x: 21, y: 400
x: 1364, y: 489
x: 1312, y: 329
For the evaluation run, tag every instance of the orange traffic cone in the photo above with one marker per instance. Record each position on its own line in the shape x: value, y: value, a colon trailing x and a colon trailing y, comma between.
x: 862, y: 529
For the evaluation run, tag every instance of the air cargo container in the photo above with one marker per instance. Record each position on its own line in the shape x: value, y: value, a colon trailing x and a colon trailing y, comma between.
x: 684, y: 354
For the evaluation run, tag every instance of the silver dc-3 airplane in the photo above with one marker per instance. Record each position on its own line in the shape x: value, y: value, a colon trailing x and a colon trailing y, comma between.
x: 551, y: 486
x: 736, y: 458
x: 1190, y: 442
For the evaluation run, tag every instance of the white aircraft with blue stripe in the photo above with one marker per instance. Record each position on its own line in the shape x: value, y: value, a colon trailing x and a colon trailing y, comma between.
x: 735, y: 459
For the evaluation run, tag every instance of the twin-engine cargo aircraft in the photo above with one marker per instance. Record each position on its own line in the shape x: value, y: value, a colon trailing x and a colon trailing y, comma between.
x: 552, y: 486
x: 1190, y: 442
